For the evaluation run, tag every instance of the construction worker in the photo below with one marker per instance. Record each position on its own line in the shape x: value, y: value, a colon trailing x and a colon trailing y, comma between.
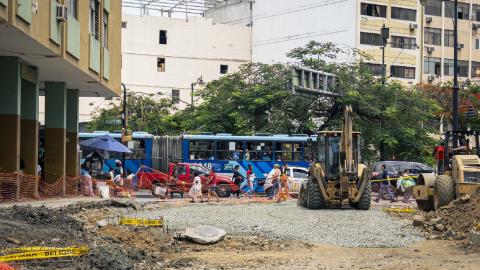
x: 439, y: 155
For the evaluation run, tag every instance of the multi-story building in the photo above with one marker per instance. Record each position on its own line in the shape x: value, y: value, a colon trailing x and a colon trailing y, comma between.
x: 167, y: 55
x: 421, y: 38
x: 51, y: 53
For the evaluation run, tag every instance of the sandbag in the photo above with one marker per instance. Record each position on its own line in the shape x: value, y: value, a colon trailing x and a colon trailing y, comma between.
x: 104, y: 192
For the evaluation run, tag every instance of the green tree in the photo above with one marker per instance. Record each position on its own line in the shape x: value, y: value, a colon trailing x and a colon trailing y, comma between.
x: 153, y: 113
x: 255, y: 99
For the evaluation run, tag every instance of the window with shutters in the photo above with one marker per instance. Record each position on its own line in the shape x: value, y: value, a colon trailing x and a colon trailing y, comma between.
x: 403, y: 43
x: 163, y: 37
x: 432, y: 65
x: 404, y: 14
x: 433, y: 8
x: 476, y: 69
x: 462, y: 68
x: 72, y: 7
x: 463, y: 10
x: 175, y: 96
x: 370, y: 39
x: 375, y: 69
x: 94, y: 19
x: 476, y: 12
x: 105, y: 29
x: 433, y: 36
x: 448, y: 38
x: 402, y: 72
x: 448, y: 67
x: 373, y: 10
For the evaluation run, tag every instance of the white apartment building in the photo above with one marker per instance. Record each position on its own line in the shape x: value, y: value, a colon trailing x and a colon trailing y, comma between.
x: 167, y: 55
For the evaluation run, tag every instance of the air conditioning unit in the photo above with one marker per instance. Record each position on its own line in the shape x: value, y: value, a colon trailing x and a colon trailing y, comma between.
x: 429, y: 19
x: 430, y: 49
x: 461, y: 46
x: 431, y: 78
x: 475, y: 25
x: 61, y: 13
x: 413, y: 26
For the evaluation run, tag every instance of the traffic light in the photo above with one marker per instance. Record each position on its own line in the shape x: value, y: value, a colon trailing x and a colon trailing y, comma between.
x: 123, y: 116
x: 126, y: 135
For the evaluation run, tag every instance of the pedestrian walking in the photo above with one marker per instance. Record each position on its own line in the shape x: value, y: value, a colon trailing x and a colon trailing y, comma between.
x: 250, y: 179
x: 275, y: 180
x: 173, y: 180
x: 212, y: 182
x: 86, y: 184
x: 237, y: 179
x: 408, y: 185
x: 439, y: 154
x: 385, y: 186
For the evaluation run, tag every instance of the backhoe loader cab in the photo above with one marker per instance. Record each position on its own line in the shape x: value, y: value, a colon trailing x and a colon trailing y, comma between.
x: 327, y: 149
x: 435, y: 191
x: 336, y: 177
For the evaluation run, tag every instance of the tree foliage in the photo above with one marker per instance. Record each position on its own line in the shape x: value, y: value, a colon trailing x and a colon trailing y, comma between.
x: 153, y: 113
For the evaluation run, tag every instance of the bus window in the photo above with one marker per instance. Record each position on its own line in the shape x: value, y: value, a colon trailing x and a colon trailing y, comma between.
x: 288, y: 152
x: 138, y: 150
x: 311, y: 151
x: 260, y: 151
x: 230, y: 150
x: 201, y: 150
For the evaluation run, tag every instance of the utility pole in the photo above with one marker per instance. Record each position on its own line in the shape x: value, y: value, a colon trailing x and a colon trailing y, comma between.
x: 124, y: 124
x: 385, y: 35
x: 455, y: 76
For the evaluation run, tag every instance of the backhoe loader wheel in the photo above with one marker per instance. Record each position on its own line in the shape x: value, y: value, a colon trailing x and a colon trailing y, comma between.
x: 315, y: 200
x: 302, y: 196
x: 365, y: 198
x: 444, y: 191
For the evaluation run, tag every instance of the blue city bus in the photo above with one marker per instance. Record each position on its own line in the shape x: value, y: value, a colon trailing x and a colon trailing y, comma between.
x: 224, y: 151
x: 141, y: 147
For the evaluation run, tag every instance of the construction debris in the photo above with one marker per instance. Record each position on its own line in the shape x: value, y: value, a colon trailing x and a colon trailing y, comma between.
x: 204, y: 234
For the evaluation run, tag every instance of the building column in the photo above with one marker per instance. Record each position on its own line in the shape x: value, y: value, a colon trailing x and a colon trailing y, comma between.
x: 71, y: 162
x: 10, y: 92
x: 55, y: 131
x: 29, y: 125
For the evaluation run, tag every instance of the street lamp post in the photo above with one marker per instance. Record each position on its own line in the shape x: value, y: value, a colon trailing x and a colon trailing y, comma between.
x: 124, y: 123
x: 199, y: 82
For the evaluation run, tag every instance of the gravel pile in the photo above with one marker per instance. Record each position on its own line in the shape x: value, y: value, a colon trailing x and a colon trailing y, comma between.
x: 287, y: 222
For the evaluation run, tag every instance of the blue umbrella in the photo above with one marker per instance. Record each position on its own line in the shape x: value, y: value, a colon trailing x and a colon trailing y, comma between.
x: 107, y: 143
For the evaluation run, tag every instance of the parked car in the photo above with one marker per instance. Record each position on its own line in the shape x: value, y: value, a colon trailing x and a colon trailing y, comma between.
x: 394, y: 166
x: 297, y: 175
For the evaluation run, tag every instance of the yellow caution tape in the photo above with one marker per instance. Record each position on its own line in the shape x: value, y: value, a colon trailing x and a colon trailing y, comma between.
x: 43, y: 254
x: 31, y: 249
x: 144, y: 222
x: 393, y: 179
x: 408, y: 210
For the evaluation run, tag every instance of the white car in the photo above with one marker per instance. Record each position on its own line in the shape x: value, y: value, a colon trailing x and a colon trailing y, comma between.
x: 297, y: 175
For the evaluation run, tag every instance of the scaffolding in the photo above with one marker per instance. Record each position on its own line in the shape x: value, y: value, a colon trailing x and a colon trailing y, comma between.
x: 196, y: 7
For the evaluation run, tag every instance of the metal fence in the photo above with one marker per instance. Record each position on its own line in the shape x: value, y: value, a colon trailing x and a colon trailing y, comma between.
x: 164, y: 147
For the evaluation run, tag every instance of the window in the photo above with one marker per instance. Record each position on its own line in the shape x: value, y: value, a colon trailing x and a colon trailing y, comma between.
x: 373, y: 10
x: 476, y: 12
x: 404, y: 14
x: 223, y: 69
x: 371, y: 39
x: 94, y: 19
x: 476, y: 69
x: 201, y: 150
x: 418, y: 169
x: 402, y: 72
x: 259, y: 151
x: 138, y: 149
x: 433, y: 36
x: 160, y: 64
x: 463, y: 10
x: 72, y: 7
x: 403, y: 43
x: 163, y: 37
x: 105, y: 29
x: 196, y: 169
x: 462, y: 68
x: 448, y: 67
x: 175, y: 96
x: 448, y: 38
x: 477, y: 44
x: 432, y: 65
x: 310, y: 152
x: 298, y: 173
x: 434, y: 8
x: 230, y: 150
x: 288, y: 151
x: 375, y: 69
x: 182, y: 169
x: 124, y: 24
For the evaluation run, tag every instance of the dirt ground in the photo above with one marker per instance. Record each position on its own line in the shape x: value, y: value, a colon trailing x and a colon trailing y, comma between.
x: 126, y: 247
